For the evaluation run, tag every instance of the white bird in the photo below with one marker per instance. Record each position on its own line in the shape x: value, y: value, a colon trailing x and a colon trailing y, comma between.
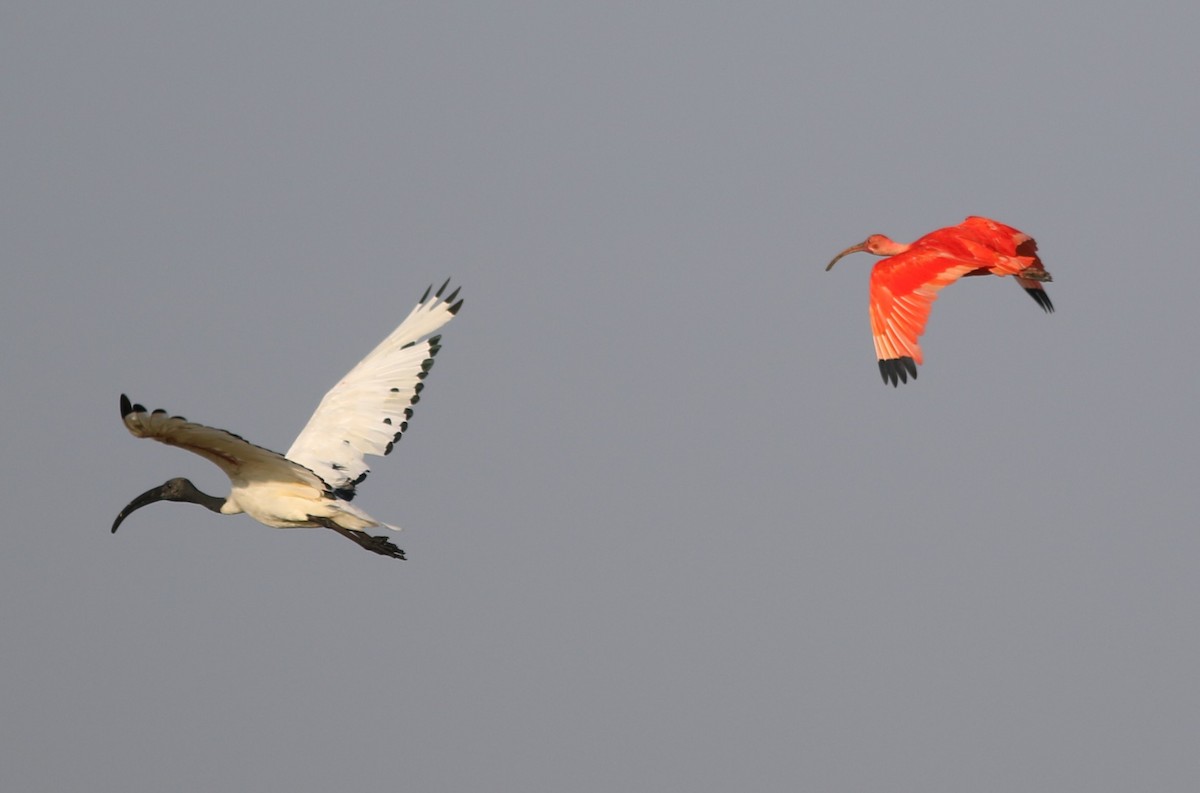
x: 312, y: 485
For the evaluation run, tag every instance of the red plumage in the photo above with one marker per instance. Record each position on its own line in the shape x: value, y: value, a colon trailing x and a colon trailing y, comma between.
x: 905, y: 284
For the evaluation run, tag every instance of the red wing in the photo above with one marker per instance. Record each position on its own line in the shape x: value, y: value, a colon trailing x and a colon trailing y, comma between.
x: 994, y: 247
x: 902, y: 292
x: 1003, y: 249
x: 997, y: 236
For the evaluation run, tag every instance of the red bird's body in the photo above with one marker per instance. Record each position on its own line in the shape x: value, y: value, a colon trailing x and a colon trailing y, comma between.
x: 904, y: 285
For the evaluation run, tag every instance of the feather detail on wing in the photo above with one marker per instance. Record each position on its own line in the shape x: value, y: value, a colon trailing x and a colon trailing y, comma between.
x: 237, y: 457
x: 368, y: 410
x: 902, y: 292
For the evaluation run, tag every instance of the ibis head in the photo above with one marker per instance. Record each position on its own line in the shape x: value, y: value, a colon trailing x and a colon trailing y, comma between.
x: 177, y: 489
x: 877, y: 244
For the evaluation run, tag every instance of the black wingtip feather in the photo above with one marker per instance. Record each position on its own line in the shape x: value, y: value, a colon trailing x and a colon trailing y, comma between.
x: 1042, y: 299
x: 126, y: 406
x: 443, y: 288
x: 454, y: 308
x: 425, y: 296
x: 897, y: 370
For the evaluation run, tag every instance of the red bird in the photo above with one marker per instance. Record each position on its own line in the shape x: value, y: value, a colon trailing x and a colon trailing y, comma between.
x: 904, y: 285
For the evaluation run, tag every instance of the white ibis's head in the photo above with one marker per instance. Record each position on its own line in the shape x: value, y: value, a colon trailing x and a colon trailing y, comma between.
x: 878, y: 244
x: 177, y: 489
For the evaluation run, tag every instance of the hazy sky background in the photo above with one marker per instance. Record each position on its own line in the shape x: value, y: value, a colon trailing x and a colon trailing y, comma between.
x: 666, y: 529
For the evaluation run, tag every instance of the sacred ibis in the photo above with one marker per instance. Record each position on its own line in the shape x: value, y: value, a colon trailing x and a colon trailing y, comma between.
x: 312, y: 485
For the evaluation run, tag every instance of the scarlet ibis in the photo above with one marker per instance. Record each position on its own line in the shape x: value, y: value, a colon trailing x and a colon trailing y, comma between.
x: 904, y: 285
x: 312, y: 485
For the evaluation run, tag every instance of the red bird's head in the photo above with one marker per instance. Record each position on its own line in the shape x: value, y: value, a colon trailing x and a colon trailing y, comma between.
x: 877, y: 244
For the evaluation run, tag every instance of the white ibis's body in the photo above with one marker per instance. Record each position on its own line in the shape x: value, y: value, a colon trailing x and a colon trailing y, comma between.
x: 291, y: 505
x: 365, y: 413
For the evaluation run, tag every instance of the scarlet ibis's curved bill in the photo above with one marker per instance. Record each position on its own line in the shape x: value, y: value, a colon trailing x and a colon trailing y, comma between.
x: 862, y: 246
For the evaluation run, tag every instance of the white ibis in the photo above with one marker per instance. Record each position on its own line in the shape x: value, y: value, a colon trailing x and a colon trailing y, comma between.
x: 312, y: 485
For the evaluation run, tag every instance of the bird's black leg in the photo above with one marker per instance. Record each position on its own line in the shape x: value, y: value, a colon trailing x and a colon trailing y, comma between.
x: 376, y: 544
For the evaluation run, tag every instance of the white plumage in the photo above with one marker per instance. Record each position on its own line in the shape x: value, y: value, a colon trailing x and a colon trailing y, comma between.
x: 365, y: 413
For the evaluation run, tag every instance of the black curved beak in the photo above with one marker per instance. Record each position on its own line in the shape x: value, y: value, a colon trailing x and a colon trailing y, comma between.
x: 149, y: 497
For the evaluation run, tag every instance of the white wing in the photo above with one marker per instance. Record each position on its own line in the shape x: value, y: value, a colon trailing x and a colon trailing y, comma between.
x: 369, y: 409
x: 237, y: 457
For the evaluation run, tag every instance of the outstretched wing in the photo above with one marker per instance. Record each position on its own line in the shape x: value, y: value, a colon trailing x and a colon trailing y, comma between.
x: 368, y: 410
x: 237, y: 457
x: 903, y: 289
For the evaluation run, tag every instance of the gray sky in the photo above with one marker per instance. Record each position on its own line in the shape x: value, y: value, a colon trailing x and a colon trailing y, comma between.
x: 666, y: 529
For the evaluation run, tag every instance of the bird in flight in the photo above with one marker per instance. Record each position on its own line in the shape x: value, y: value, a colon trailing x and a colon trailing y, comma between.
x: 312, y: 485
x: 904, y: 285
